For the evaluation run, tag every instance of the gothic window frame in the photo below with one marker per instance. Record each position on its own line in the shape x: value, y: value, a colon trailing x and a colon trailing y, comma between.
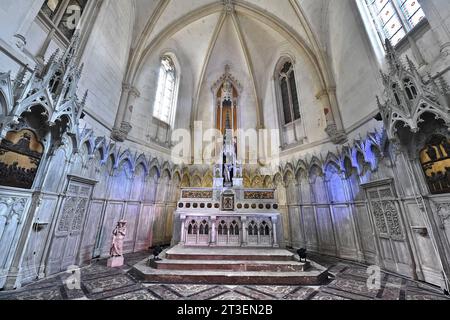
x: 53, y: 19
x: 192, y: 228
x: 204, y: 228
x: 285, y: 74
x: 168, y: 65
x: 410, y: 88
x: 398, y: 12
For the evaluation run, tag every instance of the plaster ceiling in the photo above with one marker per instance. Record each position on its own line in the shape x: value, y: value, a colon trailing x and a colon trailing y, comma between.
x: 209, y: 37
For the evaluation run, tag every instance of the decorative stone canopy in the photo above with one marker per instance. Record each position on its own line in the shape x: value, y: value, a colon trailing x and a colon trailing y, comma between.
x: 409, y: 95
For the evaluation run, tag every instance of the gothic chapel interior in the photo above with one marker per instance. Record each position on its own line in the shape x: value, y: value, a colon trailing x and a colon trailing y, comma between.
x: 284, y: 147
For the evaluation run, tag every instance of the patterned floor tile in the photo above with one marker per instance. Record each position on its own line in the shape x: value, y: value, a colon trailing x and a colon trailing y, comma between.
x: 352, y: 288
x: 41, y: 294
x: 300, y: 294
x: 232, y: 295
x: 211, y: 293
x: 253, y: 294
x: 142, y: 294
x: 356, y: 272
x: 100, y: 282
x: 107, y: 283
x: 116, y: 292
x: 326, y: 296
x: 164, y: 292
x: 187, y: 290
x: 275, y: 291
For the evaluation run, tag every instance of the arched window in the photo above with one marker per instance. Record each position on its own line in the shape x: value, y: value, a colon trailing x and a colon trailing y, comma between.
x: 395, y: 90
x: 166, y: 91
x: 410, y: 89
x: 393, y: 19
x: 288, y: 89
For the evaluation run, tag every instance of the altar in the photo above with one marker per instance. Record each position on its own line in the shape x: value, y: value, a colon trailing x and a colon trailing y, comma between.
x: 232, y: 217
x: 228, y: 234
x: 228, y: 214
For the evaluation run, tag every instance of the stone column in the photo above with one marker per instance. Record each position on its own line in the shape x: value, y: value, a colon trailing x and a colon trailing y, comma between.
x: 432, y: 9
x: 213, y: 237
x: 334, y: 128
x: 274, y: 231
x: 244, y: 231
x: 183, y: 230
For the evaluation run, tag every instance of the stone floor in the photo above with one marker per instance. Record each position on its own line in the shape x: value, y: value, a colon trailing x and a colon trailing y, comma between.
x: 347, y: 282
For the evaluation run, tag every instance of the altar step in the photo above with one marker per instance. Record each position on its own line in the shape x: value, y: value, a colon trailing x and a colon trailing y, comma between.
x: 224, y: 253
x: 233, y: 265
x: 229, y: 266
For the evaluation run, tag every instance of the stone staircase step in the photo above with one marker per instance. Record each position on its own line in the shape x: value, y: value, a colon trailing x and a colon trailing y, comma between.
x: 316, y: 275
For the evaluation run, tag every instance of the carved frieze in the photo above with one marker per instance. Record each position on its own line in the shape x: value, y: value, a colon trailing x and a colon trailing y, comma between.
x: 259, y: 195
x: 192, y: 194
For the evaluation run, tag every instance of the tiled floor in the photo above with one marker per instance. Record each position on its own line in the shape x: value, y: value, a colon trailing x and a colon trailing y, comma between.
x: 347, y: 282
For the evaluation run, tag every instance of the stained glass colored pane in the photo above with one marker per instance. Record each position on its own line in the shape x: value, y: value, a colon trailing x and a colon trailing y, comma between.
x: 285, y: 98
x: 71, y: 17
x: 392, y: 27
x: 387, y: 13
x: 417, y: 17
x: 165, y: 92
x: 50, y: 7
x: 295, y: 104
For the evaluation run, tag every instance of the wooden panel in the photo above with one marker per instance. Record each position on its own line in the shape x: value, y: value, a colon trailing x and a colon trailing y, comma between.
x: 112, y: 216
x: 325, y: 229
x: 91, y: 231
x: 132, y: 217
x: 144, y: 233
x: 310, y: 227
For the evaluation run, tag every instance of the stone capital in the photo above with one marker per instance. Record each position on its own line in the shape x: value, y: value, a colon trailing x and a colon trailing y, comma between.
x: 326, y: 92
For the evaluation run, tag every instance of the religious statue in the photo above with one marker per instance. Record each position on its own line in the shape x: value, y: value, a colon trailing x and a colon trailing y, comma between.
x: 116, y: 251
x: 118, y: 237
x: 227, y: 173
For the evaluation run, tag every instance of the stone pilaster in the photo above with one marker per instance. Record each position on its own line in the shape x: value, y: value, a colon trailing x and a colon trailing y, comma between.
x: 122, y: 126
x: 334, y: 128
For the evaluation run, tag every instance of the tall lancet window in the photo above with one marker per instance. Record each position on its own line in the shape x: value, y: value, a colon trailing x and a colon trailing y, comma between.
x: 289, y: 97
x: 394, y: 18
x: 166, y: 93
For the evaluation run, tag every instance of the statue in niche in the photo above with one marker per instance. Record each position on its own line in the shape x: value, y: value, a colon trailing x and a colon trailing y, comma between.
x: 227, y: 172
x: 119, y: 234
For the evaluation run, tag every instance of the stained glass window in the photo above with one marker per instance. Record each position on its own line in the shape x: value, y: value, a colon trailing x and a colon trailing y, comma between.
x: 395, y: 18
x: 289, y: 96
x: 165, y: 93
x: 64, y: 15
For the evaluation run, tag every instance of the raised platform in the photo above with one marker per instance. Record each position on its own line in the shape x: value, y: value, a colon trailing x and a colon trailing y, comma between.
x: 230, y: 266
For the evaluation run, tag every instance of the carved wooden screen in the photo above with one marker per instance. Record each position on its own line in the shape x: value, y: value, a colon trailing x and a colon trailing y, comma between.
x: 20, y: 155
x: 435, y: 160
